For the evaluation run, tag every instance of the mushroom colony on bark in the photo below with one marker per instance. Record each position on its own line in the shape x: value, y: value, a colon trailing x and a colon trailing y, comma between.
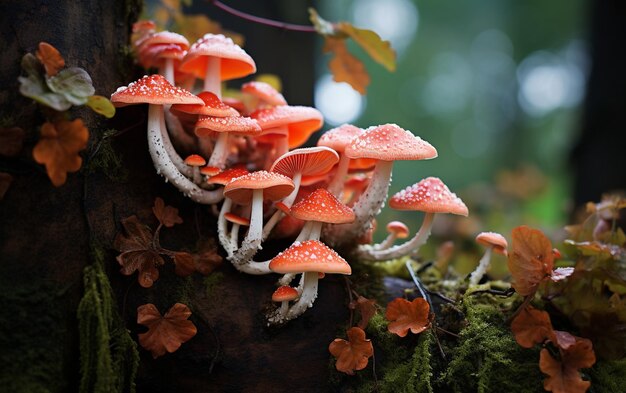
x: 246, y: 154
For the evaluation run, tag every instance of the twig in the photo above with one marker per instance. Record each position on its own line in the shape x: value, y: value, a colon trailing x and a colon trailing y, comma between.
x: 506, y: 293
x: 374, y: 372
x: 263, y: 21
x: 418, y: 284
x: 447, y: 332
x: 350, y: 298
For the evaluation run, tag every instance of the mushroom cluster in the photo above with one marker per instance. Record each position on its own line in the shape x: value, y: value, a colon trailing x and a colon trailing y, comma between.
x: 247, y: 154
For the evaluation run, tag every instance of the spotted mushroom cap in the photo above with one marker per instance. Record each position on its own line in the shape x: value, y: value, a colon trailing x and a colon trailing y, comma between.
x: 213, y: 106
x: 322, y: 206
x: 235, y: 62
x: 493, y: 239
x: 339, y: 137
x: 274, y: 185
x: 301, y: 121
x: 152, y: 89
x: 430, y: 195
x: 227, y: 175
x: 284, y: 293
x: 265, y: 92
x: 237, y: 125
x: 389, y: 142
x: 308, y: 161
x: 309, y: 256
x: 165, y: 38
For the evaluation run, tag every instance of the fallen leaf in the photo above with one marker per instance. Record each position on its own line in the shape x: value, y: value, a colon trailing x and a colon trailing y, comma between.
x: 367, y: 309
x: 185, y: 264
x: 531, y: 259
x: 5, y: 182
x: 404, y: 316
x: 167, y: 333
x: 563, y: 375
x: 101, y: 105
x: 167, y: 215
x: 137, y: 252
x: 531, y: 326
x: 50, y: 58
x: 59, y: 146
x: 352, y: 354
x: 378, y: 49
x: 344, y: 66
x: 11, y: 141
x: 206, y: 261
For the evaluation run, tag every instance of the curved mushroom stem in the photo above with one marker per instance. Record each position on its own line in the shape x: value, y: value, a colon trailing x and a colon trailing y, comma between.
x: 365, y: 209
x: 336, y: 185
x: 482, y: 267
x: 367, y: 252
x: 212, y: 78
x: 242, y: 259
x: 286, y: 279
x: 220, y: 151
x: 177, y: 132
x: 157, y: 136
x: 388, y: 242
x: 176, y: 159
x: 308, y: 294
x: 288, y: 201
x: 222, y: 231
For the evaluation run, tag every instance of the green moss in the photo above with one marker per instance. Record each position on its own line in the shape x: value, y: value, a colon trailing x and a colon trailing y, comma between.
x: 108, y: 356
x: 104, y: 158
x: 211, y: 281
x: 608, y: 376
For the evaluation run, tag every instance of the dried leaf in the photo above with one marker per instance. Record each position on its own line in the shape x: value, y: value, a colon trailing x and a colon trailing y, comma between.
x: 345, y: 67
x: 167, y: 333
x: 367, y: 309
x: 5, y: 182
x: 531, y: 326
x: 167, y: 215
x: 59, y: 146
x: 11, y: 141
x: 138, y: 253
x: 531, y: 260
x: 352, y: 354
x: 185, y: 264
x: 563, y: 375
x: 73, y: 83
x: 50, y: 58
x: 207, y: 258
x: 101, y: 105
x: 404, y: 316
x: 378, y: 49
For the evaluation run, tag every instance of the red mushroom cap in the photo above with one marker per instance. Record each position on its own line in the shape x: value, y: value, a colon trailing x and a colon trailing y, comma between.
x: 339, y: 137
x: 265, y: 92
x: 429, y: 195
x: 227, y: 175
x: 309, y: 161
x: 213, y: 106
x: 309, y: 256
x: 399, y: 228
x: 274, y: 185
x: 302, y: 121
x: 389, y: 142
x: 152, y: 89
x: 211, y: 170
x: 165, y: 38
x: 284, y: 294
x: 232, y: 217
x: 236, y: 125
x: 195, y: 160
x: 493, y: 239
x: 322, y: 206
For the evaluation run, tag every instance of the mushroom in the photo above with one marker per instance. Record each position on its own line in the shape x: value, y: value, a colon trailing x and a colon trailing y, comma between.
x: 494, y: 242
x: 309, y: 258
x: 431, y: 196
x: 262, y: 94
x: 337, y: 139
x: 195, y: 162
x: 283, y: 295
x: 317, y: 208
x: 156, y: 91
x: 396, y: 230
x: 161, y: 50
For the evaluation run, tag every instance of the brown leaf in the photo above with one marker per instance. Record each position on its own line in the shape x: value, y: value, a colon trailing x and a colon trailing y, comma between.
x: 51, y: 58
x: 207, y: 259
x: 352, y: 354
x: 11, y: 141
x: 367, y: 309
x: 185, y: 264
x: 5, y: 182
x: 563, y: 375
x: 167, y: 333
x: 59, y: 146
x: 531, y: 326
x: 344, y: 66
x: 404, y: 316
x: 531, y: 260
x: 138, y: 253
x: 378, y: 49
x: 167, y: 215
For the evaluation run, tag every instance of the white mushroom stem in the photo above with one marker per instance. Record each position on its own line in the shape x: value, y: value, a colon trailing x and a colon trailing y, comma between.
x: 286, y: 279
x: 157, y: 136
x: 177, y: 160
x: 365, y: 209
x: 242, y: 259
x: 388, y: 242
x: 288, y: 201
x: 308, y: 294
x: 336, y: 185
x: 284, y: 306
x: 177, y: 132
x: 167, y: 70
x: 212, y: 78
x: 220, y: 151
x: 222, y: 231
x: 367, y: 252
x: 482, y: 267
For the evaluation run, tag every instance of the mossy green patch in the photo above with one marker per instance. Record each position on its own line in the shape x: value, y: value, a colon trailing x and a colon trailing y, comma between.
x: 608, y: 376
x: 104, y: 158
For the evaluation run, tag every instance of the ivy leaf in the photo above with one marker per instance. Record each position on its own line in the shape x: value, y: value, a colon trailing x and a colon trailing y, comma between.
x: 404, y: 316
x: 11, y: 141
x: 73, y: 83
x: 531, y: 326
x: 345, y: 67
x: 352, y: 354
x: 531, y: 260
x: 378, y: 49
x: 563, y: 375
x: 165, y: 333
x: 101, y: 105
x: 59, y: 146
x: 366, y: 307
x: 167, y: 215
x: 50, y: 58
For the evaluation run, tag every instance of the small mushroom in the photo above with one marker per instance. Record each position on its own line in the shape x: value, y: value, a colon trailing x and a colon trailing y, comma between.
x: 283, y: 295
x: 396, y: 230
x: 494, y: 242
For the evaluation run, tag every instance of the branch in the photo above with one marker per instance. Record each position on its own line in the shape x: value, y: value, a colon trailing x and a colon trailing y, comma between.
x: 263, y: 21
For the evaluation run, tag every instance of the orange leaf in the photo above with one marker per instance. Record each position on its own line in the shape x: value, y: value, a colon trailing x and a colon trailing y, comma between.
x: 59, y: 146
x: 138, y: 253
x: 51, y: 58
x: 185, y: 264
x: 405, y: 316
x: 344, y: 66
x: 352, y: 354
x: 167, y: 215
x: 563, y: 375
x: 531, y: 326
x: 531, y: 260
x: 165, y: 334
x: 366, y: 307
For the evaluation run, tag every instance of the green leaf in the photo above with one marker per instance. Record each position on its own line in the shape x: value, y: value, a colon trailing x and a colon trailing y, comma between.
x: 378, y: 49
x: 34, y: 87
x: 321, y: 25
x: 101, y: 105
x: 31, y: 65
x: 74, y: 83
